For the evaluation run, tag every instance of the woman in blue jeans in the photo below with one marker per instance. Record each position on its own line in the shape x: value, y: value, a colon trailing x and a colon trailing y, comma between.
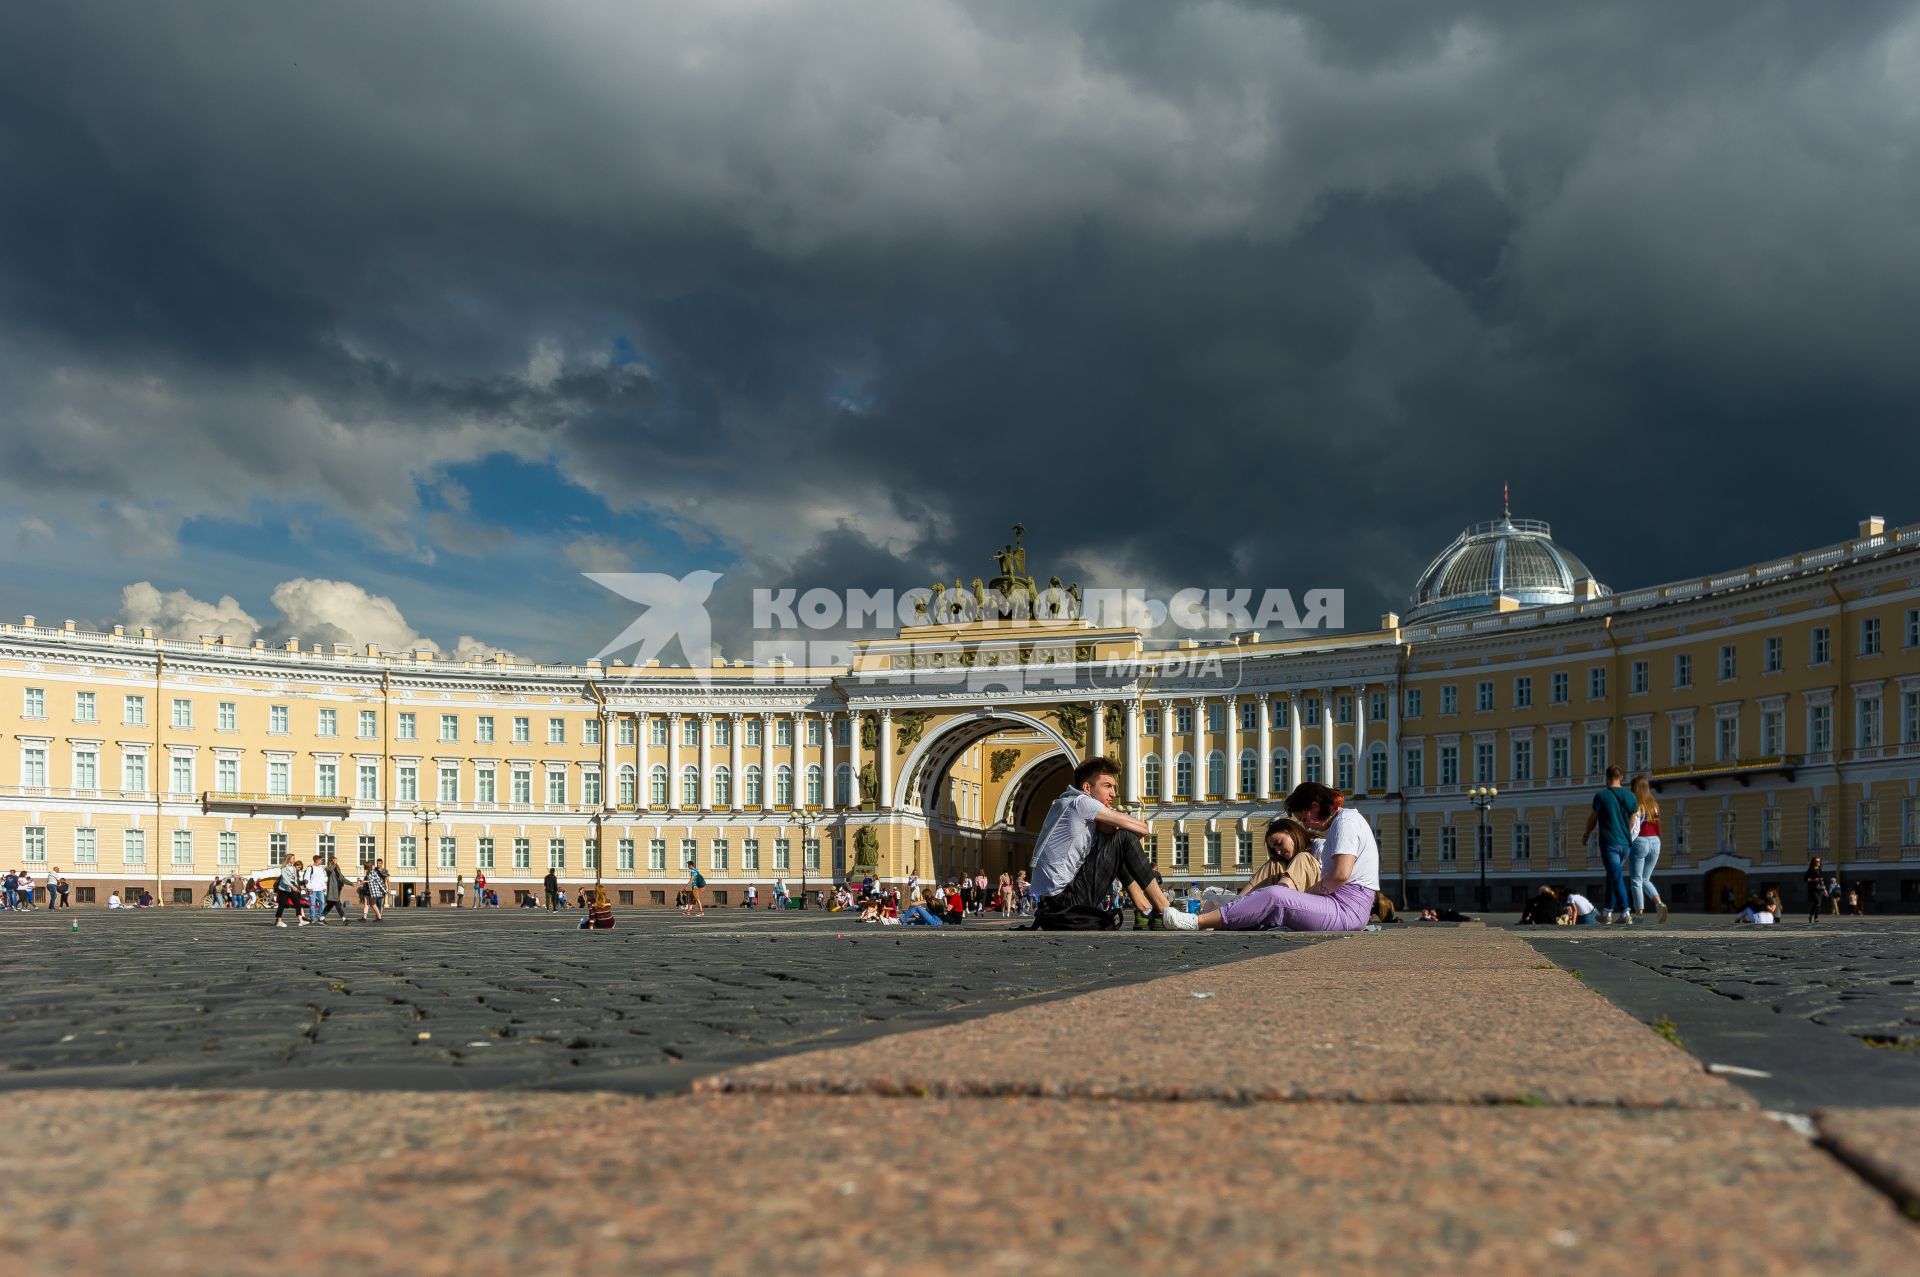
x: 1645, y: 850
x: 926, y: 913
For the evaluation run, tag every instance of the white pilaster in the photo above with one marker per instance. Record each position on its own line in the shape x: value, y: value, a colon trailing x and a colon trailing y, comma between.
x: 1265, y: 703
x: 1133, y: 751
x: 1233, y: 749
x: 736, y: 778
x: 706, y: 762
x: 673, y: 762
x: 853, y: 757
x: 830, y: 794
x: 884, y: 769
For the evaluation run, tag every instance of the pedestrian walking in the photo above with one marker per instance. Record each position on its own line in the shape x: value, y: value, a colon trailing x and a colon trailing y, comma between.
x: 479, y: 889
x: 459, y: 889
x: 553, y: 891
x: 695, y: 883
x: 336, y: 890
x: 1644, y: 851
x: 1816, y: 890
x: 374, y: 892
x: 286, y: 894
x: 317, y: 893
x: 1612, y: 816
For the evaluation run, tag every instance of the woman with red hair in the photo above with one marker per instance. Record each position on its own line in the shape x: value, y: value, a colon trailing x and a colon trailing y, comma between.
x: 1343, y: 898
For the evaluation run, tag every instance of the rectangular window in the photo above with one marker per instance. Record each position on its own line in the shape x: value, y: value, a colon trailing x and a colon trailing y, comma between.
x: 278, y: 720
x: 1281, y: 708
x: 1560, y: 758
x: 181, y: 775
x: 522, y: 730
x: 409, y: 852
x: 1773, y: 732
x: 1413, y: 702
x: 86, y: 846
x: 1597, y: 683
x: 556, y: 731
x: 182, y: 848
x: 1522, y: 843
x: 590, y: 855
x: 227, y: 716
x: 369, y: 783
x: 35, y: 703
x: 719, y: 855
x: 133, y: 711
x: 522, y: 782
x: 1639, y: 749
x: 810, y: 855
x: 1449, y: 843
x: 327, y: 778
x: 1820, y: 728
x: 483, y: 854
x: 182, y: 713
x: 1867, y: 722
x: 368, y: 849
x: 523, y: 853
x: 449, y: 782
x: 623, y: 852
x: 754, y: 733
x: 657, y: 731
x: 1683, y: 744
x: 556, y: 787
x: 369, y: 724
x: 133, y: 848
x: 813, y: 731
x: 84, y: 708
x: 657, y: 855
x: 1182, y: 720
x: 449, y: 851
x: 1770, y: 829
x: 1449, y: 699
x: 1729, y: 662
x: 1243, y: 850
x: 1561, y: 684
x: 133, y: 773
x: 1483, y: 762
x: 1910, y: 717
x: 1817, y: 825
x: 1596, y: 753
x: 1772, y: 654
x: 625, y: 733
x: 1310, y: 712
x: 328, y: 722
x: 449, y: 727
x: 408, y: 726
x: 1210, y: 850
x: 86, y: 769
x: 556, y: 853
x: 1150, y: 722
x: 590, y: 787
x: 228, y: 850
x: 1249, y: 716
x: 1483, y: 695
x: 1867, y: 824
x: 483, y: 729
x: 1179, y: 851
x: 782, y: 855
x: 483, y: 786
x: 1343, y: 708
x: 1523, y: 759
x: 1822, y: 645
x: 226, y: 775
x: 279, y: 776
x: 33, y: 844
x: 1449, y: 764
x: 1682, y: 669
x: 407, y: 790
x: 33, y: 766
x: 689, y: 854
x: 1377, y: 706
x: 590, y: 731
x: 1726, y: 739
x: 324, y: 844
x: 1523, y: 693
x: 1415, y: 767
x: 1869, y: 636
x: 1910, y: 822
x: 1729, y: 830
x: 1641, y: 678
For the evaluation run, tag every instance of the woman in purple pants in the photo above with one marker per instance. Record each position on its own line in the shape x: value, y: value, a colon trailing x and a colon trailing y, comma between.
x: 1343, y: 898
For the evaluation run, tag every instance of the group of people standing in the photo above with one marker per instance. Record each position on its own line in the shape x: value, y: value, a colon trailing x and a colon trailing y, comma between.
x: 22, y: 893
x: 312, y: 890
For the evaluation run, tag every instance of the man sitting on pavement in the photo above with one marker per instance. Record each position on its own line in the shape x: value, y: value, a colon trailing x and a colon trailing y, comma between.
x: 1084, y: 844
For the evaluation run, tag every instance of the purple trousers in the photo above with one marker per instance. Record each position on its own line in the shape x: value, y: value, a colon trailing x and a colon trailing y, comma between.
x: 1283, y: 909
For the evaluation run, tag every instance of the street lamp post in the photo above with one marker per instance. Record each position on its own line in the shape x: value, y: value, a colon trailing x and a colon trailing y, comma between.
x: 1482, y: 797
x: 428, y: 815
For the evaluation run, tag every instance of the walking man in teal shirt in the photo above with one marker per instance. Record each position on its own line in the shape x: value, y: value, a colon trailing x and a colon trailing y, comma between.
x: 1612, y: 814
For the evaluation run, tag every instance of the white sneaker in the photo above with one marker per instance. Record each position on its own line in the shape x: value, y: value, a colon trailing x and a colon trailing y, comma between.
x: 1179, y: 920
x: 281, y: 923
x: 303, y: 922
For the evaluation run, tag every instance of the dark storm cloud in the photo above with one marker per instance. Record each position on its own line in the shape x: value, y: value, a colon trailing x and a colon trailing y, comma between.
x: 1255, y: 294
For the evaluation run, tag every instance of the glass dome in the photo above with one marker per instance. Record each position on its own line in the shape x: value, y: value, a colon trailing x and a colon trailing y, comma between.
x: 1511, y: 558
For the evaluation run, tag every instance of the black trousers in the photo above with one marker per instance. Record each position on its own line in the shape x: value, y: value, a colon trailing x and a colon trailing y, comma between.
x: 1116, y: 854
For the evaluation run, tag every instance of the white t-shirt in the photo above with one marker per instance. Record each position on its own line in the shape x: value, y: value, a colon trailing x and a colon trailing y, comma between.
x: 1351, y: 835
x: 1581, y: 905
x: 113, y: 901
x: 1065, y: 839
x: 1758, y: 917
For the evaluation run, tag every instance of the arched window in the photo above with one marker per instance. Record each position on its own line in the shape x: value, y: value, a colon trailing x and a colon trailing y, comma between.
x: 1150, y: 775
x: 657, y: 784
x: 813, y: 784
x: 690, y: 786
x: 783, y: 786
x: 1216, y: 774
x: 843, y: 786
x: 629, y: 795
x: 1343, y: 768
x: 1183, y: 776
x: 1377, y: 769
x: 753, y: 785
x: 1249, y: 773
x: 1281, y: 766
x: 723, y: 786
x: 1310, y: 765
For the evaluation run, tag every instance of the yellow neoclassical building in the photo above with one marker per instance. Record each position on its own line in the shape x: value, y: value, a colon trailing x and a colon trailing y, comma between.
x: 1777, y: 707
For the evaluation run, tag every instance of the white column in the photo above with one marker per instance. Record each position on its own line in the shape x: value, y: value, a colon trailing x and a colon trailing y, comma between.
x: 737, y: 779
x: 1233, y: 750
x: 1097, y: 731
x: 1199, y: 748
x: 1166, y: 751
x: 609, y: 783
x: 1297, y: 759
x: 853, y: 758
x: 799, y: 760
x: 766, y: 762
x: 1393, y: 738
x: 706, y: 762
x: 641, y: 796
x: 673, y: 762
x: 1326, y: 736
x: 1265, y: 703
x: 1133, y: 751
x: 828, y: 795
x: 1360, y: 737
x: 884, y: 767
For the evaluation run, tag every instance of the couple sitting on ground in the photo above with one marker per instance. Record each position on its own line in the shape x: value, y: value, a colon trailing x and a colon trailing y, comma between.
x: 1086, y: 844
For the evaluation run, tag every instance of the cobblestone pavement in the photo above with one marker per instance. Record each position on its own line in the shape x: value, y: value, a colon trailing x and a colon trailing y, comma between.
x: 1861, y: 977
x: 457, y: 1000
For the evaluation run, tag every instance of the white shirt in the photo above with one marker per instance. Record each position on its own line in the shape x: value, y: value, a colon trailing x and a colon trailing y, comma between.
x: 1581, y: 905
x: 1065, y: 839
x: 1351, y: 835
x: 316, y: 878
x: 113, y: 901
x: 1759, y: 917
